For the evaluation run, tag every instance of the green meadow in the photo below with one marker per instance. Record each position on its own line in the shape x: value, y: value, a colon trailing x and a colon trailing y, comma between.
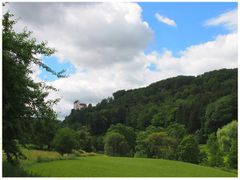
x: 104, y: 166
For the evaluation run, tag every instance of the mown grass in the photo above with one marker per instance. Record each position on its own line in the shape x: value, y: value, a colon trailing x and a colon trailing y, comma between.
x: 103, y: 166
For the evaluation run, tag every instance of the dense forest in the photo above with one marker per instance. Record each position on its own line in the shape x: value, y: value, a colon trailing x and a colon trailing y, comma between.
x: 202, y: 104
x: 161, y: 120
x: 186, y: 118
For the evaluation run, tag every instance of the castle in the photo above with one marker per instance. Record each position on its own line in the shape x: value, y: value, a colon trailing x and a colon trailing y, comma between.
x: 77, y: 105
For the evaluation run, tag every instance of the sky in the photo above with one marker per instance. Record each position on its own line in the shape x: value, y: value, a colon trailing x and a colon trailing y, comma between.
x: 105, y: 47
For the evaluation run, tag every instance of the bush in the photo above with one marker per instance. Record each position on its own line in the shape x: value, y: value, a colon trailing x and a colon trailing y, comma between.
x: 160, y: 145
x: 215, y: 157
x: 233, y: 155
x: 115, y: 144
x: 65, y: 140
x: 189, y: 150
x: 177, y: 131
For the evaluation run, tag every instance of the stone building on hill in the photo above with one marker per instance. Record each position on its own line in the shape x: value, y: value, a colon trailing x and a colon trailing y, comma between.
x: 77, y: 105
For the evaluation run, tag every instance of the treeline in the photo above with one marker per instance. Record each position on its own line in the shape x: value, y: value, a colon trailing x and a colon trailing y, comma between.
x: 202, y: 104
x: 168, y: 119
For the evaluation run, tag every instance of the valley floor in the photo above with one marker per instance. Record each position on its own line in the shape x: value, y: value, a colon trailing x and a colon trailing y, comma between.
x: 103, y: 166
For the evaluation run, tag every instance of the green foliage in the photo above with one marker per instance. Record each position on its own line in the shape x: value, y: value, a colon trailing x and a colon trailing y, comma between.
x: 184, y: 100
x: 215, y: 157
x: 97, y: 143
x: 233, y: 155
x: 226, y: 135
x: 115, y: 144
x: 65, y: 140
x: 84, y: 140
x: 160, y: 145
x: 127, y: 132
x: 165, y: 116
x: 23, y: 99
x: 44, y: 131
x: 227, y: 141
x: 10, y: 170
x: 188, y: 150
x: 177, y: 131
x: 220, y: 112
x: 141, y: 145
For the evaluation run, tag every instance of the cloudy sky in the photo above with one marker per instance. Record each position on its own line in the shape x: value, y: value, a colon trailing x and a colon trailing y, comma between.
x: 106, y: 47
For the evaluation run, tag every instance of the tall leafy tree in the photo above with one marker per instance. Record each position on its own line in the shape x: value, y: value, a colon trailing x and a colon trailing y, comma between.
x: 127, y: 132
x: 189, y: 150
x: 227, y: 140
x: 23, y: 99
x: 115, y: 144
x: 160, y: 145
x: 65, y: 140
x: 215, y: 157
x: 220, y: 112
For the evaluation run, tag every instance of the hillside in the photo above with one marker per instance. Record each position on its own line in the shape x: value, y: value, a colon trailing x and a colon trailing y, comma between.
x: 187, y: 100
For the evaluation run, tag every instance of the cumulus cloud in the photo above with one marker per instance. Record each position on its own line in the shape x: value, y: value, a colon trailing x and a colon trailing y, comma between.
x: 106, y: 43
x: 165, y: 20
x: 228, y: 20
x: 194, y: 60
x: 89, y: 35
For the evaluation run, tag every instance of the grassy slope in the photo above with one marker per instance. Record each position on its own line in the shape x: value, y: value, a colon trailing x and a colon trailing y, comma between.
x: 102, y: 166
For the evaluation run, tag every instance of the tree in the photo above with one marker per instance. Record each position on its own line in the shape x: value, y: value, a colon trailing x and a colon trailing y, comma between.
x: 220, y: 112
x: 226, y: 135
x: 227, y: 140
x: 97, y: 142
x: 160, y: 145
x: 84, y: 140
x: 23, y: 99
x: 188, y: 150
x: 176, y: 130
x: 233, y: 155
x: 127, y: 132
x: 214, y: 154
x: 44, y: 131
x: 165, y: 116
x: 115, y: 144
x: 141, y: 143
x: 65, y: 140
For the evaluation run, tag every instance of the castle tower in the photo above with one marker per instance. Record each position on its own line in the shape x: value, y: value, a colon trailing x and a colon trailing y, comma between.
x: 77, y: 105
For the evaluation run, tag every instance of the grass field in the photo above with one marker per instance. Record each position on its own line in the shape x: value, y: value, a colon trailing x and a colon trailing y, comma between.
x: 103, y: 166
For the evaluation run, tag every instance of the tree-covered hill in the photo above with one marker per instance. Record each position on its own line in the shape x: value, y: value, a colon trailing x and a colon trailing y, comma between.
x: 202, y: 104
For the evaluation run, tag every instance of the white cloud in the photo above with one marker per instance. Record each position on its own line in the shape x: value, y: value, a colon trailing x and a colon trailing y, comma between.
x: 228, y: 20
x: 165, y: 20
x: 194, y: 60
x: 106, y: 42
x: 89, y: 35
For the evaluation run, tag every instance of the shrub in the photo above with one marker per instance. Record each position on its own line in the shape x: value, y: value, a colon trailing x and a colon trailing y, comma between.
x: 215, y: 157
x: 160, y: 145
x: 189, y: 150
x: 65, y: 140
x: 115, y: 144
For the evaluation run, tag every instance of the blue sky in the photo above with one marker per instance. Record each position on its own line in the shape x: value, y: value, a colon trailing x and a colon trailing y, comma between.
x: 189, y: 17
x: 190, y: 29
x: 57, y: 66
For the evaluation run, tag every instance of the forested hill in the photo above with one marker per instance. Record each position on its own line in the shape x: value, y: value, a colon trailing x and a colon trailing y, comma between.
x: 203, y: 104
